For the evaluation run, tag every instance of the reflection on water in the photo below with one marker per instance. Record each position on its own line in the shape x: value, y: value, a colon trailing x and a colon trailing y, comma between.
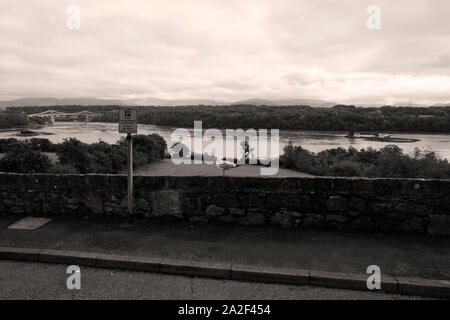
x: 311, y: 140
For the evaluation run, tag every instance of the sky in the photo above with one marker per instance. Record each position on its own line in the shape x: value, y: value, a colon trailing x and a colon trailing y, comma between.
x: 226, y: 50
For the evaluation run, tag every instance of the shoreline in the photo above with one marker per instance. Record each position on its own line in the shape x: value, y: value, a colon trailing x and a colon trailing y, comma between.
x: 206, y: 128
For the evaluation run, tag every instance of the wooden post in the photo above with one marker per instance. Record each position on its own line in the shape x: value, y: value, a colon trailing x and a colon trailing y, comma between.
x: 130, y: 176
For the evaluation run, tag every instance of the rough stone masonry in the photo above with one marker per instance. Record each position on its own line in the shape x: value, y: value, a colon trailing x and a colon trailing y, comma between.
x: 403, y: 205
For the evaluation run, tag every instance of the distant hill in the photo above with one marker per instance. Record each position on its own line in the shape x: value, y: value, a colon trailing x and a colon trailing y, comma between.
x: 186, y: 102
x: 167, y: 102
x: 29, y: 102
x: 442, y: 105
x: 289, y: 102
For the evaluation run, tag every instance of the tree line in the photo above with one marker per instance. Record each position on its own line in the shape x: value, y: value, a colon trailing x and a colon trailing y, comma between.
x: 337, y: 118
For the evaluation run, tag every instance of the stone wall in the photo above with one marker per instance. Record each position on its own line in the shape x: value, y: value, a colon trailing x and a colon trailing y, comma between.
x: 414, y: 206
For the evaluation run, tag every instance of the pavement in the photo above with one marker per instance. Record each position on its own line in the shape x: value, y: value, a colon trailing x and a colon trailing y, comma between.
x: 25, y: 280
x: 326, y: 255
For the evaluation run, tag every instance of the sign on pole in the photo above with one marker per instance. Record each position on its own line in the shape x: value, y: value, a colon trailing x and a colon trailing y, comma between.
x: 127, y: 121
x: 128, y: 125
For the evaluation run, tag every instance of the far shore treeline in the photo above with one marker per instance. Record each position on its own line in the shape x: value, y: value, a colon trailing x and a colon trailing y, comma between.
x: 337, y: 118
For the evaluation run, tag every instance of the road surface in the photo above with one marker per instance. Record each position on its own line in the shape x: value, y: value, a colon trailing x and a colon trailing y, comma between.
x: 26, y: 280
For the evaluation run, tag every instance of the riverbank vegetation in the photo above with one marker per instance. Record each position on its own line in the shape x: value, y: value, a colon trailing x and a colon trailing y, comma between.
x: 9, y: 120
x: 388, y: 162
x: 74, y: 156
x: 337, y: 118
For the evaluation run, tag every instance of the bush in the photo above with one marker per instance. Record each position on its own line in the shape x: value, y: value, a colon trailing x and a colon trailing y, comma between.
x: 74, y: 153
x: 388, y: 162
x: 37, y: 144
x: 23, y: 159
x: 8, y: 144
x: 43, y: 145
x: 147, y: 148
x: 102, y: 157
x: 78, y: 157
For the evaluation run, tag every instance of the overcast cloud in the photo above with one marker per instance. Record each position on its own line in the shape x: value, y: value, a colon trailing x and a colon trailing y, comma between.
x: 227, y: 50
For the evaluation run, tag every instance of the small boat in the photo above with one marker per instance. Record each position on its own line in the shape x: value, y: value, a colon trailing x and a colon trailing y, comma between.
x: 383, y: 135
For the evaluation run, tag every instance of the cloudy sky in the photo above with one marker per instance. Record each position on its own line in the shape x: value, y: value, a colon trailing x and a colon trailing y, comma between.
x: 227, y: 50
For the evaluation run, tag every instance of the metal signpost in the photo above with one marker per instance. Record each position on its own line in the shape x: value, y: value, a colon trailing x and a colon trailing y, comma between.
x: 128, y: 125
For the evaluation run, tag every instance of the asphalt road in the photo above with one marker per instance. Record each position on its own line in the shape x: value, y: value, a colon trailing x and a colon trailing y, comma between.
x: 24, y: 280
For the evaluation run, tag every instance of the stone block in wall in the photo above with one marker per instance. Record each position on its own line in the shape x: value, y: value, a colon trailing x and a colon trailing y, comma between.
x: 439, y: 225
x: 96, y: 181
x: 386, y: 187
x: 214, y: 211
x: 203, y: 199
x: 257, y: 200
x: 310, y: 186
x: 290, y: 184
x: 166, y: 203
x: 287, y: 200
x: 33, y: 208
x: 312, y: 202
x: 217, y: 184
x: 441, y: 206
x: 290, y: 213
x: 77, y: 183
x: 336, y: 186
x: 412, y: 225
x: 117, y: 185
x: 313, y: 220
x: 3, y: 208
x: 10, y: 202
x: 226, y: 199
x: 94, y: 202
x: 418, y: 187
x: 379, y: 207
x: 143, y: 206
x: 337, y: 203
x: 237, y: 211
x: 254, y: 217
x: 190, y: 204
x: 361, y: 186
x: 410, y: 207
x: 200, y: 219
x: 338, y: 218
x: 357, y: 203
x: 282, y: 220
x: 253, y: 183
x: 228, y: 219
x: 146, y: 183
x: 109, y: 208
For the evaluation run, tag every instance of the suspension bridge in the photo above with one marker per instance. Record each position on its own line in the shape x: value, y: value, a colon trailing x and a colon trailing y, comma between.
x: 52, y: 114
